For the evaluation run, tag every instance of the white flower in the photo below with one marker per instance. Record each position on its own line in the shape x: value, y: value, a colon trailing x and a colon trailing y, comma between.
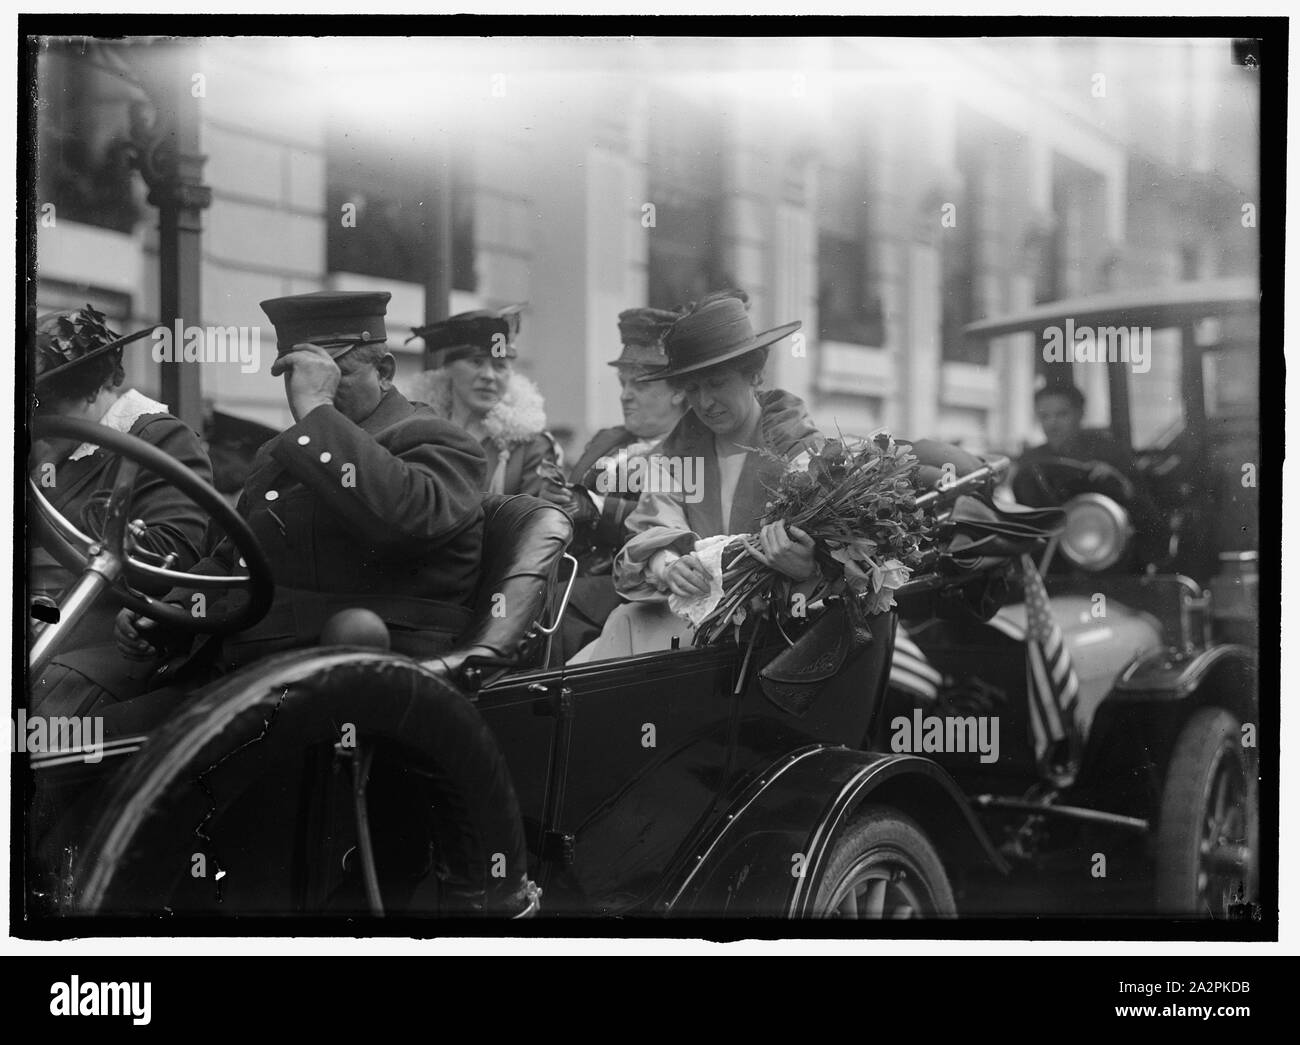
x: 800, y: 463
x: 893, y: 575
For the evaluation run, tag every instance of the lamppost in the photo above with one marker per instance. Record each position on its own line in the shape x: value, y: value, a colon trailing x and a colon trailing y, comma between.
x: 164, y: 148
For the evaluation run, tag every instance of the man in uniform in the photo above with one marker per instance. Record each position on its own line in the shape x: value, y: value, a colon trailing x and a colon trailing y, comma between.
x: 367, y: 501
x: 1077, y: 460
x: 599, y: 501
x: 1100, y: 457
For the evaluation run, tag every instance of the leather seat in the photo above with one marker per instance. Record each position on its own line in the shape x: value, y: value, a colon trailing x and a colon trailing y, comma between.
x: 524, y: 539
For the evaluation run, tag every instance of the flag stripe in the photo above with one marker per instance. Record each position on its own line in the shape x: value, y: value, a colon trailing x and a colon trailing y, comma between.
x: 914, y: 685
x: 918, y: 667
x: 1053, y: 685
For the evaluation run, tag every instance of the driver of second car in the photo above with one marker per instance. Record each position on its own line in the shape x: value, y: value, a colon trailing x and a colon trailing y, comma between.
x: 367, y: 502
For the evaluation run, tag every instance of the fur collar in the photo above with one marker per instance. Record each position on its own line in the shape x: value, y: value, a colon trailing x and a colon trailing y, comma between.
x: 518, y: 418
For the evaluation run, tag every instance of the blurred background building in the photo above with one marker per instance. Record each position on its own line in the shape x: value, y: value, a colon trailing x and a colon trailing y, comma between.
x: 885, y: 192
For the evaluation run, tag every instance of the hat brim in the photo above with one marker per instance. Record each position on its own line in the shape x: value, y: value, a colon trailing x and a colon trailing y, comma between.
x: 95, y: 353
x: 761, y: 340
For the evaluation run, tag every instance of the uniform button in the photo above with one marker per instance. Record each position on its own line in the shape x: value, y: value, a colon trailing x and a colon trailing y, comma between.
x: 326, y: 457
x: 303, y: 440
x: 272, y: 495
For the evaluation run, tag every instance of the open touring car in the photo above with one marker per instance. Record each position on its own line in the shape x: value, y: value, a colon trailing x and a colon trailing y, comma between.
x: 761, y: 775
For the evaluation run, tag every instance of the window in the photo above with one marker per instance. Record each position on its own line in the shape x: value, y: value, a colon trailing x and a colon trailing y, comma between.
x: 83, y: 165
x: 685, y: 186
x: 959, y: 246
x: 848, y: 306
x: 1156, y: 397
x: 391, y: 193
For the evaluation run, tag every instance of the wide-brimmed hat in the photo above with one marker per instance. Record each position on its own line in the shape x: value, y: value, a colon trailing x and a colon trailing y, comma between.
x: 336, y: 320
x: 470, y: 333
x: 71, y: 338
x: 642, y: 332
x: 714, y: 333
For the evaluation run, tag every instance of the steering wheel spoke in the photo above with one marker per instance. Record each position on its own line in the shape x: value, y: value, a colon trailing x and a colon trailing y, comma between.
x: 116, y: 556
x: 117, y: 512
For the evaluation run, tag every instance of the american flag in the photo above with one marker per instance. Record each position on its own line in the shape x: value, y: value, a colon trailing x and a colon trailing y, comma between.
x: 910, y: 669
x: 1053, y: 686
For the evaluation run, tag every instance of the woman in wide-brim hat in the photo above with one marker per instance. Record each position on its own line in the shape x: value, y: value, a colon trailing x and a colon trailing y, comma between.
x: 716, y: 359
x: 78, y: 373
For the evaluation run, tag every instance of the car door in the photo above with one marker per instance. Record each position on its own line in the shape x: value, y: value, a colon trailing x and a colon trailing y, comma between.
x: 616, y: 763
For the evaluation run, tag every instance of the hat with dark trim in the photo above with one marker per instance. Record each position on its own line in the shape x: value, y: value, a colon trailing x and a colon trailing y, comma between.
x: 642, y: 331
x: 336, y: 320
x: 715, y: 331
x: 68, y: 339
x: 484, y: 330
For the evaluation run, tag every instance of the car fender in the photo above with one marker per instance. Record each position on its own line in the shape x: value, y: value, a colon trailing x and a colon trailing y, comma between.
x: 1175, y: 675
x: 764, y: 852
x: 1136, y: 726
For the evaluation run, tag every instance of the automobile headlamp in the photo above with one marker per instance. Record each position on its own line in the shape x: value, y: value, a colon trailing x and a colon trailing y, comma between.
x: 1097, y: 531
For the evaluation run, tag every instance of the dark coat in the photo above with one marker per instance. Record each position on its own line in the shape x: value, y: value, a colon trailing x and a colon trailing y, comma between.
x: 521, y: 474
x: 597, y: 542
x: 1090, y: 444
x: 175, y: 524
x: 385, y: 514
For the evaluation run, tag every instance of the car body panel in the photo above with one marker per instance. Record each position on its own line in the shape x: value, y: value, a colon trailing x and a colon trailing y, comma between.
x: 765, y: 852
x: 645, y: 753
x: 1101, y: 644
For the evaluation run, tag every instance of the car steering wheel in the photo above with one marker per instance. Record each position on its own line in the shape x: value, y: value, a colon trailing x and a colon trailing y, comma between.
x: 116, y: 556
x: 1058, y: 488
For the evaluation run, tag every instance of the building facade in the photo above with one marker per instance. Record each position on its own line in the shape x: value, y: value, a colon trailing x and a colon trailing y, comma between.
x: 884, y: 192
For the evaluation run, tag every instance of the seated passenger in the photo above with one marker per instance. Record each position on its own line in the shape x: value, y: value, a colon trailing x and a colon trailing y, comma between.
x: 367, y: 501
x: 79, y: 374
x: 605, y: 481
x: 710, y: 476
x: 474, y: 385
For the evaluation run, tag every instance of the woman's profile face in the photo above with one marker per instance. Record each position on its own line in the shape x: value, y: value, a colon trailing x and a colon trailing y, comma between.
x: 722, y: 398
x: 479, y: 381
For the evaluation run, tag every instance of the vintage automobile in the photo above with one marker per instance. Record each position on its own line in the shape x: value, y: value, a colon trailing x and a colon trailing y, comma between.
x: 755, y: 777
x: 1162, y: 631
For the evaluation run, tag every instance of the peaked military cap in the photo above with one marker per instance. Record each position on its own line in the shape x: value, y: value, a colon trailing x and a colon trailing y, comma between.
x: 336, y: 320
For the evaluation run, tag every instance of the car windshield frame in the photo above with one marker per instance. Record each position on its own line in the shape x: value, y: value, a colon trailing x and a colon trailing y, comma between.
x: 1180, y: 306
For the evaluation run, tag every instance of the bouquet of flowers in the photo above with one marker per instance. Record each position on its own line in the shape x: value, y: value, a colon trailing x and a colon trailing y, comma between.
x: 856, y: 499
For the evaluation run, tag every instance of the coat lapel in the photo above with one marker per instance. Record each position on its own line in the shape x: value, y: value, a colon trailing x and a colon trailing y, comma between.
x: 748, y: 505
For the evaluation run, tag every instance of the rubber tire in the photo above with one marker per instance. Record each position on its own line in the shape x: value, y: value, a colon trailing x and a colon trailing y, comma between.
x: 283, y: 705
x: 1208, y: 735
x: 877, y: 828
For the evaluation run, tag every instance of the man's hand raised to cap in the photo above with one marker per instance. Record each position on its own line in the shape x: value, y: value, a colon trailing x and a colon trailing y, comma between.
x: 311, y: 378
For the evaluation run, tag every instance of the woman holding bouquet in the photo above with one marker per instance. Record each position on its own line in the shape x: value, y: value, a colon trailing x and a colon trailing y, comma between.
x: 709, y: 477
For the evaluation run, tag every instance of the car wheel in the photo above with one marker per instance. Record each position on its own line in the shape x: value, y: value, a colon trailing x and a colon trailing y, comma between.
x: 343, y: 782
x: 1207, y: 839
x: 883, y: 866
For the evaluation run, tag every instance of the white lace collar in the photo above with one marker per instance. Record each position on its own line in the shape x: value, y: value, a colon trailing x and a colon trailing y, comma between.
x: 129, y: 408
